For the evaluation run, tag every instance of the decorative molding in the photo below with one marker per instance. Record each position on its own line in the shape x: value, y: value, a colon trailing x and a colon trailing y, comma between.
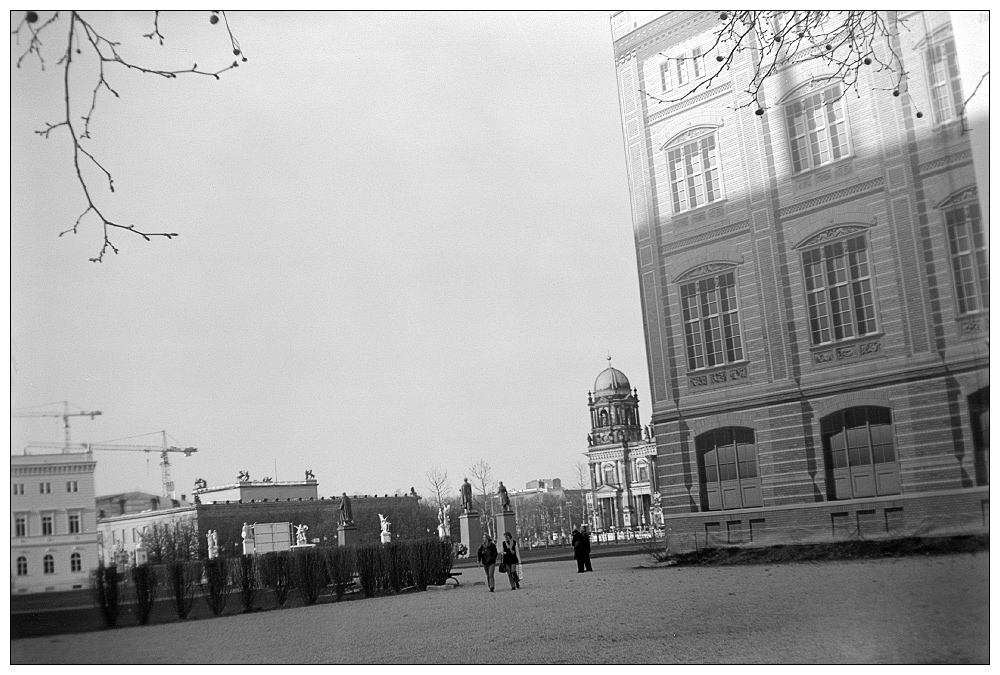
x: 969, y: 194
x: 832, y: 233
x: 689, y: 135
x: 847, y: 354
x: 853, y: 191
x: 732, y: 374
x: 691, y: 101
x: 945, y: 162
x: 718, y: 233
x: 707, y: 269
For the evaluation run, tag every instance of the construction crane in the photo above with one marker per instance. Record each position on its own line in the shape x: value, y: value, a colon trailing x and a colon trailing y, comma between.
x: 164, y: 450
x: 65, y: 415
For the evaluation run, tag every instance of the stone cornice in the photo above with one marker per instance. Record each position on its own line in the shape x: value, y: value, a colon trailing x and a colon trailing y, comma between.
x: 851, y: 192
x: 689, y: 102
x: 944, y: 163
x: 718, y: 233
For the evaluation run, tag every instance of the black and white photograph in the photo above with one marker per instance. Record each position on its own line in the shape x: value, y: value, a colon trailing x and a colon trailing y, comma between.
x: 499, y: 338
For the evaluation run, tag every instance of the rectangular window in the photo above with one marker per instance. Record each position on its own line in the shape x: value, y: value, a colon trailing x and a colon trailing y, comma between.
x: 698, y: 60
x: 969, y: 258
x: 694, y: 174
x: 944, y: 80
x: 839, y: 291
x: 46, y: 525
x: 682, y: 71
x: 817, y: 130
x: 44, y: 488
x: 665, y: 76
x: 711, y: 321
x: 20, y: 526
x: 19, y: 488
x: 72, y: 486
x: 74, y: 523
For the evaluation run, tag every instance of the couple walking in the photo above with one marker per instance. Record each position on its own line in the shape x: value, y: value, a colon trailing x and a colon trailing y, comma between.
x: 581, y: 550
x: 488, y: 554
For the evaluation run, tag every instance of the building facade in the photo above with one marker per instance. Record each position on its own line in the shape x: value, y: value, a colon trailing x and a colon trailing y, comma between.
x: 53, y: 529
x: 814, y: 284
x: 621, y: 456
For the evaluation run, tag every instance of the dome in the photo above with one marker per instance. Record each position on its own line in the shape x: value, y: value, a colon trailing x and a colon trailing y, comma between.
x: 612, y: 380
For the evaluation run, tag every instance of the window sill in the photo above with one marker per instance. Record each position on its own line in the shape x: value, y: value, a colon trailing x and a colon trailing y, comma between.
x: 700, y: 214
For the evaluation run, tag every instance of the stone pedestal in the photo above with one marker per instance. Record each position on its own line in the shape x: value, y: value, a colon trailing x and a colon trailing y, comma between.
x: 472, y: 531
x: 386, y: 537
x: 298, y: 546
x: 506, y: 522
x: 347, y: 535
x: 141, y: 557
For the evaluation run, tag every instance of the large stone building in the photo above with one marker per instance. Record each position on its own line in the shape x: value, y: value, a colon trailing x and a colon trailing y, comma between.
x: 621, y: 456
x: 814, y: 284
x: 53, y: 529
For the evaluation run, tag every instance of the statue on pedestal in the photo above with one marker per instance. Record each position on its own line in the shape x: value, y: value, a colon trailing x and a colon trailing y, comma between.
x: 310, y: 475
x: 300, y: 534
x: 248, y: 540
x: 443, y: 521
x: 243, y: 476
x: 200, y: 484
x: 504, y: 498
x: 346, y: 515
x: 213, y: 544
x: 386, y: 536
x: 466, y: 491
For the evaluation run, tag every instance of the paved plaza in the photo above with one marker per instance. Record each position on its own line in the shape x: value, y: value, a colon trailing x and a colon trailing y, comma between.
x: 932, y: 609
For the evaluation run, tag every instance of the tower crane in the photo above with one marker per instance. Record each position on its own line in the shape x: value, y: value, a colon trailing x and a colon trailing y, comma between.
x: 65, y: 415
x: 164, y: 450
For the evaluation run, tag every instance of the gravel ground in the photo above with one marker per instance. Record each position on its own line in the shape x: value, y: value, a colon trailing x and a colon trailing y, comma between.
x: 906, y: 610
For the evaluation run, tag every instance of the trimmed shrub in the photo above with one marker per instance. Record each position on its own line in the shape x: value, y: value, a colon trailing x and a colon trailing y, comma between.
x: 276, y: 573
x: 144, y: 584
x: 182, y: 576
x: 340, y: 566
x: 395, y: 566
x: 216, y: 584
x: 369, y: 562
x: 105, y: 584
x: 247, y: 578
x: 310, y: 573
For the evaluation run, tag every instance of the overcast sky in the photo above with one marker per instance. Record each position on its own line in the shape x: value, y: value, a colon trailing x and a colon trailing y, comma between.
x: 405, y: 242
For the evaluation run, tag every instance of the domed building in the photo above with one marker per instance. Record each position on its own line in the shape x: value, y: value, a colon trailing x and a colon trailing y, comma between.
x: 622, y: 457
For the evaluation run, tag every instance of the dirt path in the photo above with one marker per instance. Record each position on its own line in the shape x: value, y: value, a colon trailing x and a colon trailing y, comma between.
x: 909, y: 610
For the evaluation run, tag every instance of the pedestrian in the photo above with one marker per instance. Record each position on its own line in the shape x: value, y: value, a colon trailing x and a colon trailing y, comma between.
x: 487, y: 557
x: 578, y: 550
x: 585, y: 541
x: 510, y: 560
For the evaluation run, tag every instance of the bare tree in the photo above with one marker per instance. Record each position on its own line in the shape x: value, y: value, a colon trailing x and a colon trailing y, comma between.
x: 843, y: 42
x: 437, y: 482
x: 82, y: 41
x: 482, y: 475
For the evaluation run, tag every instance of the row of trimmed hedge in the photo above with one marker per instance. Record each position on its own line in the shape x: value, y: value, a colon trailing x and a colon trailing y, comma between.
x: 375, y: 568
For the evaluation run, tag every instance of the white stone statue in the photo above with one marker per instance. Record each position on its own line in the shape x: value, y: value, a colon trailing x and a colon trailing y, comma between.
x: 213, y: 544
x: 386, y: 535
x: 248, y: 540
x: 300, y: 534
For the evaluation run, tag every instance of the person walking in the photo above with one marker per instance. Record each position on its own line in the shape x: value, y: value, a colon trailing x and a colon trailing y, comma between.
x: 510, y: 560
x: 585, y: 541
x: 487, y: 557
x: 578, y: 550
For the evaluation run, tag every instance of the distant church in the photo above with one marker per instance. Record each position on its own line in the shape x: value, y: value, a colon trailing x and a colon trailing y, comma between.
x: 622, y: 457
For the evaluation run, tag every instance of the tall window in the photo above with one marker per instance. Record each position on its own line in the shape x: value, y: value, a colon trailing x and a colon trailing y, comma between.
x: 20, y: 526
x: 22, y: 566
x: 694, y: 173
x: 72, y: 486
x: 46, y: 525
x: 969, y: 258
x: 860, y: 453
x: 665, y: 76
x: 44, y: 488
x: 49, y: 564
x: 642, y: 469
x: 682, y: 71
x: 609, y: 475
x: 711, y: 321
x: 727, y: 464
x: 18, y: 488
x: 839, y: 290
x: 75, y: 562
x: 698, y: 60
x: 74, y: 523
x: 817, y: 130
x: 944, y: 80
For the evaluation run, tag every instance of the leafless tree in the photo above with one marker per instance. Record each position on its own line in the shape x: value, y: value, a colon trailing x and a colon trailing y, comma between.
x: 437, y: 482
x: 82, y: 41
x: 844, y: 42
x: 482, y: 475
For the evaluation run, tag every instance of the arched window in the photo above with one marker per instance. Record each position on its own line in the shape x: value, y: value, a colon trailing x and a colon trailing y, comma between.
x: 860, y: 453
x: 693, y: 166
x: 727, y: 468
x: 839, y: 291
x: 604, y: 418
x: 979, y: 411
x: 642, y: 471
x: 22, y: 566
x: 817, y: 128
x: 48, y: 564
x: 75, y: 563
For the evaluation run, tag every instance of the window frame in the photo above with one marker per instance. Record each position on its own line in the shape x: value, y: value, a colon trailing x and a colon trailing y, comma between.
x: 977, y: 255
x: 22, y: 566
x: 841, y: 278
x: 74, y: 520
x: 689, y: 179
x: 803, y: 156
x: 75, y: 562
x: 695, y: 320
x: 850, y: 466
x: 48, y: 564
x: 728, y: 485
x: 45, y: 488
x: 951, y: 85
x: 72, y: 486
x: 18, y: 489
x: 48, y: 525
x: 20, y: 525
x: 666, y: 81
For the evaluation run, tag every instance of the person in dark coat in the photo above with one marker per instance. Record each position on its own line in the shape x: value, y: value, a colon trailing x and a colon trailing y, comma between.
x: 577, y: 540
x: 487, y: 557
x: 585, y: 546
x: 511, y: 560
